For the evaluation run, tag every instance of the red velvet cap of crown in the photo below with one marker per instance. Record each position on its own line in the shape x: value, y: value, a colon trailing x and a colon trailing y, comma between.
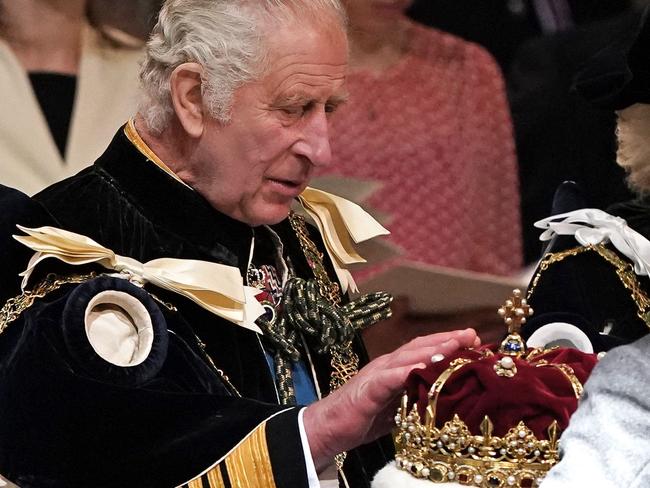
x: 536, y: 394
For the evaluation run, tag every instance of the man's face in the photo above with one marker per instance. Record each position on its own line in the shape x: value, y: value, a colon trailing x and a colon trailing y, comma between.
x: 253, y: 167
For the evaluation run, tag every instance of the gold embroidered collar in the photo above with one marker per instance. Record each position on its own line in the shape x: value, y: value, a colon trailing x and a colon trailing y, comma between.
x: 133, y: 136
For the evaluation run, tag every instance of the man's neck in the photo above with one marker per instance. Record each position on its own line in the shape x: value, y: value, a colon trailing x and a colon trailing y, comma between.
x: 45, y: 35
x: 171, y: 146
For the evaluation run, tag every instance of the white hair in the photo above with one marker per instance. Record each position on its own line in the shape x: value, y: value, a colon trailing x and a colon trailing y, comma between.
x: 226, y: 37
x: 633, y: 154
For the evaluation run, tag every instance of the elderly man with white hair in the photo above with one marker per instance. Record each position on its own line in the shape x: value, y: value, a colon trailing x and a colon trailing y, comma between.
x: 178, y: 324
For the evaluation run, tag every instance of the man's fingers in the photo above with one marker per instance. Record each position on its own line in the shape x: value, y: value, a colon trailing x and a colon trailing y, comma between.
x: 429, y: 340
x: 387, y: 384
x: 421, y: 355
x: 465, y: 338
x: 448, y: 342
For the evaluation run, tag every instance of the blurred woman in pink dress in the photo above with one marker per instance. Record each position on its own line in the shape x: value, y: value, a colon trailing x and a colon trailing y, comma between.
x: 428, y: 117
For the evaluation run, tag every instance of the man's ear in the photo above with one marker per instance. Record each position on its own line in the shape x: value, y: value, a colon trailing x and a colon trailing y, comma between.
x: 185, y: 87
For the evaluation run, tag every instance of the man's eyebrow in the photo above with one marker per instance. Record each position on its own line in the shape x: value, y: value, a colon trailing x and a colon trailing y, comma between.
x: 302, y: 99
x: 339, y: 99
x: 295, y: 98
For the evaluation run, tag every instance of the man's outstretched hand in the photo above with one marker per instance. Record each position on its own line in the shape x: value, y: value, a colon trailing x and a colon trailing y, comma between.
x: 363, y: 409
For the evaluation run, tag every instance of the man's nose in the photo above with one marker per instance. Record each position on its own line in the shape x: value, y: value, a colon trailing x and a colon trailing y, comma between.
x: 315, y: 141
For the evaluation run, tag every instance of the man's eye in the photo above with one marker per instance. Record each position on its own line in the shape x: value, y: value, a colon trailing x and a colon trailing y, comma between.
x: 330, y: 108
x: 294, y: 111
x: 298, y: 111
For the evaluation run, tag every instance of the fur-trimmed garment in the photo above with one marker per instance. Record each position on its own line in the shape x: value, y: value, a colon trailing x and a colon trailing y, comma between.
x: 392, y: 477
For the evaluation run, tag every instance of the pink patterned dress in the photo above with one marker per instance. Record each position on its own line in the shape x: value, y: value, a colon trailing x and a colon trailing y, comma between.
x: 435, y: 129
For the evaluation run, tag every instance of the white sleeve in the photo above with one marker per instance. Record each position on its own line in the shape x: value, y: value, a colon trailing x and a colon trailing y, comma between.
x: 312, y: 476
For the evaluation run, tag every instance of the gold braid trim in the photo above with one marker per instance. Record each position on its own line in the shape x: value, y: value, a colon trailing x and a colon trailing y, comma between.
x: 215, y: 479
x: 212, y: 479
x: 197, y: 483
x: 624, y: 271
x: 247, y: 466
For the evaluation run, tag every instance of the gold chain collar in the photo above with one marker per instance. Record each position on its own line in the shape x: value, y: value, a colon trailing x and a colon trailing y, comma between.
x: 624, y: 271
x: 17, y: 305
x: 343, y: 361
x: 328, y: 289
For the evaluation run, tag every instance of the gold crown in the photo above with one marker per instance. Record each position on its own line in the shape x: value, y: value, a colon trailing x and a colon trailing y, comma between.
x: 452, y: 453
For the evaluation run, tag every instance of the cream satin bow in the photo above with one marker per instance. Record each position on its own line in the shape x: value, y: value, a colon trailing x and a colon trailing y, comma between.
x: 341, y: 222
x: 591, y: 226
x: 215, y: 287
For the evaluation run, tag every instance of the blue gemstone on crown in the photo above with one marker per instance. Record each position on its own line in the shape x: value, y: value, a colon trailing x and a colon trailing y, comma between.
x: 513, y: 347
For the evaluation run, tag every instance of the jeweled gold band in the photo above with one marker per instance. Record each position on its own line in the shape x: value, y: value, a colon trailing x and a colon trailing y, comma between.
x: 454, y: 454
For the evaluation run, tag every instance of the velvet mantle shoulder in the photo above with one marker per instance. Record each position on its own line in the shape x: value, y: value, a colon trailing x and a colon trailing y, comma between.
x: 587, y: 290
x: 128, y: 204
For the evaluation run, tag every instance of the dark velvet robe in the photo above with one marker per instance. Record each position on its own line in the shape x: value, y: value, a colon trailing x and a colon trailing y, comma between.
x: 166, y: 426
x: 585, y: 290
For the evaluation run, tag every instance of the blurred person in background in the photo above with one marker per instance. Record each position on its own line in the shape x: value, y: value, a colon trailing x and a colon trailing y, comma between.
x: 67, y: 86
x: 594, y: 282
x: 595, y: 270
x: 428, y: 117
x: 540, y: 45
x: 134, y: 18
x: 501, y: 26
x: 606, y: 443
x: 560, y: 135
